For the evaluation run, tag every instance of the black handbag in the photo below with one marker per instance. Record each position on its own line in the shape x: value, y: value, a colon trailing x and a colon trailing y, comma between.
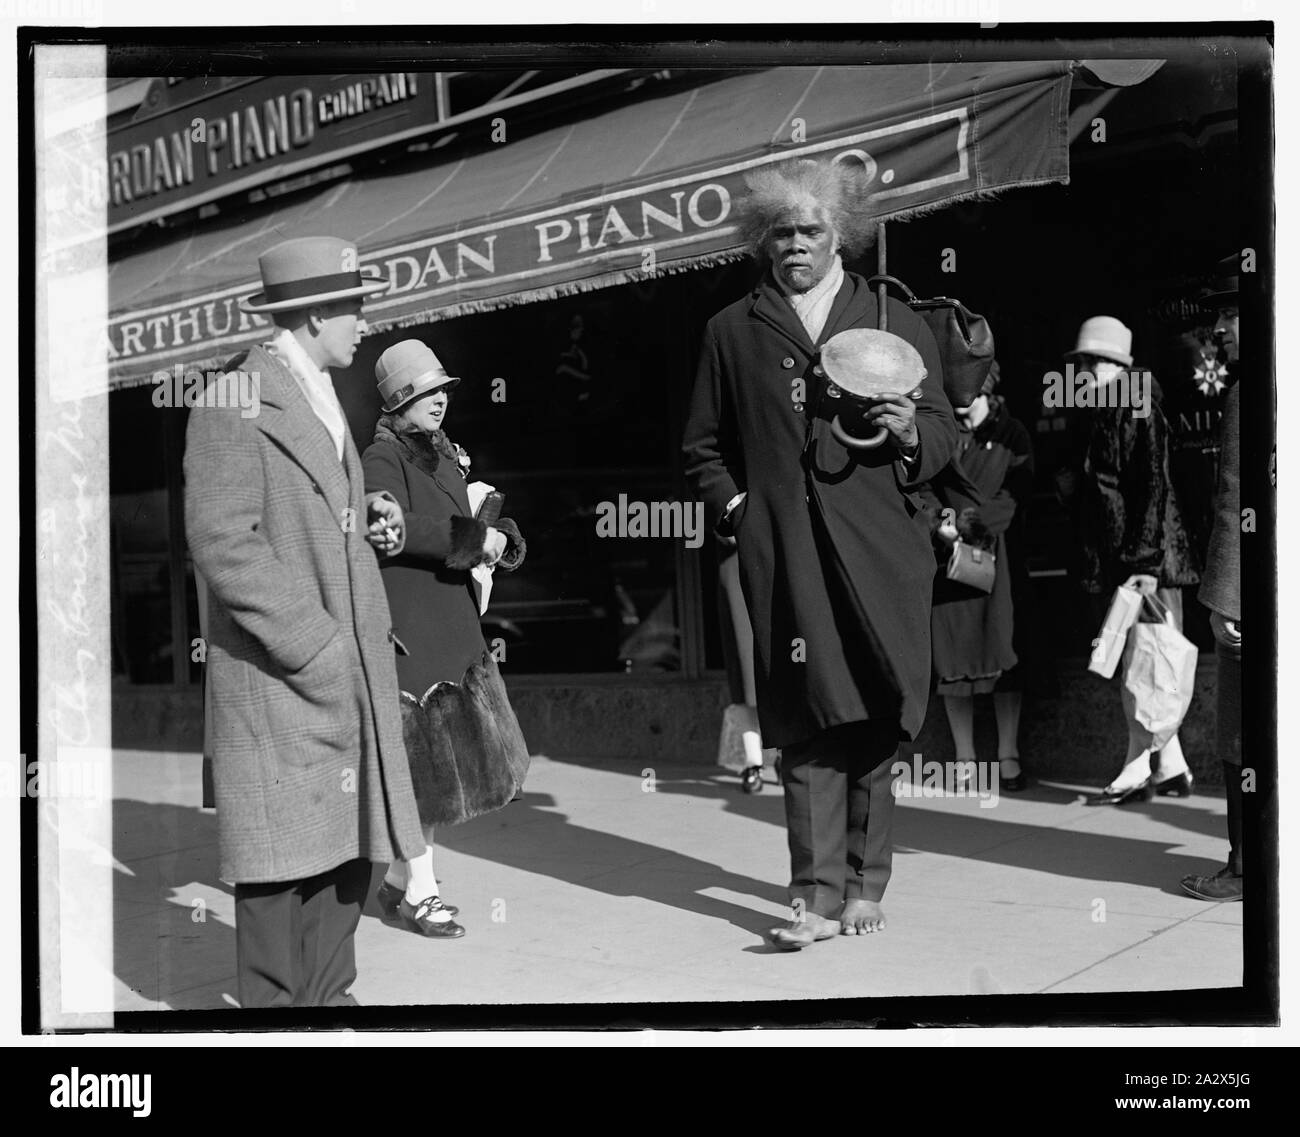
x: 964, y: 337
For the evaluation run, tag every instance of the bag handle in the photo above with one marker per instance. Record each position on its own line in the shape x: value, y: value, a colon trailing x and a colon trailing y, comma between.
x: 1158, y: 607
x: 882, y: 278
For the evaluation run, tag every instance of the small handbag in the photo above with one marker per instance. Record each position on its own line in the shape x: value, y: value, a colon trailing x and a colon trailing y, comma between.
x: 972, y: 565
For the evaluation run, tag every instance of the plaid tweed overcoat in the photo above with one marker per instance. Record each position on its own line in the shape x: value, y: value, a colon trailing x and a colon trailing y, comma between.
x: 308, y: 761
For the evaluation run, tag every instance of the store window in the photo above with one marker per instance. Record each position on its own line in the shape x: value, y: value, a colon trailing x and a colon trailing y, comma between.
x: 574, y: 408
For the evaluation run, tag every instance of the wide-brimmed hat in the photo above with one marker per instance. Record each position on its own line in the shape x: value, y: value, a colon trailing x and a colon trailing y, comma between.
x: 1105, y: 337
x: 311, y: 270
x: 408, y: 370
x: 1225, y: 284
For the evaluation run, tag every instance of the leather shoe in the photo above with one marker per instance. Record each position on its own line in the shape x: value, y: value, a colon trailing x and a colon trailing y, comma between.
x: 1223, y: 885
x: 751, y: 779
x: 390, y: 896
x: 1013, y: 784
x: 416, y: 917
x: 1180, y: 785
x: 1141, y: 792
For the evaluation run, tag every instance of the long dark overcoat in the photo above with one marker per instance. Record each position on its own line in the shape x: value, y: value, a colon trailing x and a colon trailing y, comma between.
x: 468, y: 756
x: 435, y: 611
x: 835, y: 570
x: 308, y: 761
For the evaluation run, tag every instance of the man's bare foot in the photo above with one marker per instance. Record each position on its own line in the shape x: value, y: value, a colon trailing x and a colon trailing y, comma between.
x: 861, y: 917
x: 800, y: 933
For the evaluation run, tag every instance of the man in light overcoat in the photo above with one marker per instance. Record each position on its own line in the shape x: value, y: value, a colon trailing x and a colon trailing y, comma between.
x: 310, y: 773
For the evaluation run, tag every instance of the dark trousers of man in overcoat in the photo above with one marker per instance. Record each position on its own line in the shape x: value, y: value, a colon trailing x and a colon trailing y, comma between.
x: 839, y: 808
x: 294, y: 938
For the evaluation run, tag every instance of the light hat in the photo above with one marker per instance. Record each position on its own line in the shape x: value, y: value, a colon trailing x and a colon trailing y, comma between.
x: 311, y: 270
x: 408, y: 370
x: 1106, y: 337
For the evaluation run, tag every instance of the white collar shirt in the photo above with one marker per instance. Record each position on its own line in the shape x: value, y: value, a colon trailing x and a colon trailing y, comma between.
x: 316, y: 385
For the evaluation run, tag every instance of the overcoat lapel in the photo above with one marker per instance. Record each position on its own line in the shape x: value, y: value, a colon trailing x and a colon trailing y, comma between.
x: 771, y: 306
x: 773, y: 309
x: 851, y: 304
x: 287, y: 419
x: 453, y: 485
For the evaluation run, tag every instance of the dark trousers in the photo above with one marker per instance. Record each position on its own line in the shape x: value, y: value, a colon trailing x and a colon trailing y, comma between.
x: 1228, y: 740
x: 294, y: 938
x: 839, y: 810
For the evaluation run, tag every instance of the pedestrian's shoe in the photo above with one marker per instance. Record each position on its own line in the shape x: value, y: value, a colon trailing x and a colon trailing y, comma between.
x: 751, y: 779
x: 1013, y: 784
x: 1222, y: 886
x: 1141, y: 792
x: 389, y: 896
x: 1180, y: 785
x: 418, y: 918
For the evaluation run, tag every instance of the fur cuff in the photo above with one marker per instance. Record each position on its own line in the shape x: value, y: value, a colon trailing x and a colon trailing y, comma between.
x: 467, y: 537
x: 516, y: 546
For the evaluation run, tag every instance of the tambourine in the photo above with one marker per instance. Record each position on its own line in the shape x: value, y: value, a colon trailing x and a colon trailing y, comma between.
x: 861, y: 365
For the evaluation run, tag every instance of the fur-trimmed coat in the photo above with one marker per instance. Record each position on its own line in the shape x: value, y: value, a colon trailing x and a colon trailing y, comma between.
x: 308, y: 762
x: 1127, y: 513
x: 430, y: 591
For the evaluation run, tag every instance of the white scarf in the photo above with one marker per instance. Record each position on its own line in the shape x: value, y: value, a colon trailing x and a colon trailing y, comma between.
x: 814, y: 306
x: 316, y: 385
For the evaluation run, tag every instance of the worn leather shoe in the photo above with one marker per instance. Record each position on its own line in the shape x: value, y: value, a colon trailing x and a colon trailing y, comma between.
x: 1223, y: 885
x: 389, y: 896
x: 417, y: 918
x: 1180, y: 785
x: 751, y: 779
x: 1142, y: 792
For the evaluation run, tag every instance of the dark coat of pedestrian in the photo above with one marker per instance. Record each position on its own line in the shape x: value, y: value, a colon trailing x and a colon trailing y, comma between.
x: 1129, y: 518
x: 973, y: 631
x: 468, y: 756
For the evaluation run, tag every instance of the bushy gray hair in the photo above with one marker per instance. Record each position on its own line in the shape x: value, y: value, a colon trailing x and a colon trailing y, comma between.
x: 839, y: 189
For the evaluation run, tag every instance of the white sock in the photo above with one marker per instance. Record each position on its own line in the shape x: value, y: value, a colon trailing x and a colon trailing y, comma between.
x: 422, y: 884
x: 1135, y: 772
x: 1171, y: 761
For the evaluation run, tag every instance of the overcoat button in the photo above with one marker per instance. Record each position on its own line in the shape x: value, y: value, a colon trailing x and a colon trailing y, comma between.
x: 817, y: 370
x: 787, y: 363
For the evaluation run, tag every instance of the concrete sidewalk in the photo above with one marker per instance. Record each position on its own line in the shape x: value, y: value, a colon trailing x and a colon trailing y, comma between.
x: 611, y: 882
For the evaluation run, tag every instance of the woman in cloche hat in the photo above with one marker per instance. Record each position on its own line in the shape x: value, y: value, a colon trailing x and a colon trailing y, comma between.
x: 467, y: 754
x: 1132, y: 533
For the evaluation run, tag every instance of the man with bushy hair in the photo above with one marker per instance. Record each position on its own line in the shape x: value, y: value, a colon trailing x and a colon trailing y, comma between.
x: 835, y: 571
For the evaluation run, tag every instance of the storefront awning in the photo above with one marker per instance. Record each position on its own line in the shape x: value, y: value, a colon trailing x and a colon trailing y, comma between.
x: 637, y: 191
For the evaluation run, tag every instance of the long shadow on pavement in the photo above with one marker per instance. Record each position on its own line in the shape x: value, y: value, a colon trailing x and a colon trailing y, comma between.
x: 532, y: 836
x: 979, y: 836
x: 168, y: 947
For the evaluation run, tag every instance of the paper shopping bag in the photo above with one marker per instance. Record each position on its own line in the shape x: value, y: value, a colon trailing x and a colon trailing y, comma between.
x: 1109, y: 644
x: 1159, y: 677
